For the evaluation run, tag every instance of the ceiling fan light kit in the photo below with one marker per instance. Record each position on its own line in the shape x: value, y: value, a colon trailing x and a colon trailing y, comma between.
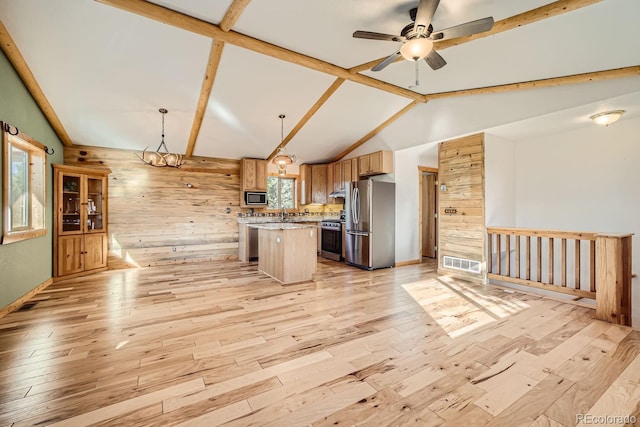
x: 607, y: 118
x: 418, y: 36
x: 416, y: 49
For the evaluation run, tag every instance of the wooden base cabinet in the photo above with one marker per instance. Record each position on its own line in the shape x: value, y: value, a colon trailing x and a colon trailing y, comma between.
x: 80, y: 244
x: 80, y: 253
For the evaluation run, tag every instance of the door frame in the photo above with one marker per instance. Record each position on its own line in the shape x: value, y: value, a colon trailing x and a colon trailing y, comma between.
x: 421, y: 170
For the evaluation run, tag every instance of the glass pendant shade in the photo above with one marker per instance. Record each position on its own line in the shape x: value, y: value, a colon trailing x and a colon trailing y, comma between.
x: 282, y: 160
x: 416, y: 49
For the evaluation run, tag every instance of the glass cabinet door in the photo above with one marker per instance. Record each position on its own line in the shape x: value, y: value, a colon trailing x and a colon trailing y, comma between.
x: 95, y: 204
x: 71, y: 214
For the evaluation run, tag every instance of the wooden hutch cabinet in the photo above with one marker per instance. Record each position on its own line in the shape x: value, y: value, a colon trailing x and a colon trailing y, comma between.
x: 80, y: 220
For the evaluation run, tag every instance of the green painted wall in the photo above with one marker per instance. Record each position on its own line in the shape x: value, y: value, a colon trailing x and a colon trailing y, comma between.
x: 26, y: 264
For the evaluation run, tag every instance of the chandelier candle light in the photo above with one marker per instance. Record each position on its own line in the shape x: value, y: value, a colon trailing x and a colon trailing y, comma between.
x: 160, y: 159
x: 283, y: 160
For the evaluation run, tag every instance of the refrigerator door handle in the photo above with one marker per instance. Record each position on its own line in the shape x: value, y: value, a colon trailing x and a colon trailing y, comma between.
x: 358, y: 233
x: 353, y: 206
x: 356, y: 194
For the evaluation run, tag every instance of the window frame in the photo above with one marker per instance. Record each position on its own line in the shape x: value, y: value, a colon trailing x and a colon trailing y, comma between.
x: 12, y: 137
x: 295, y: 190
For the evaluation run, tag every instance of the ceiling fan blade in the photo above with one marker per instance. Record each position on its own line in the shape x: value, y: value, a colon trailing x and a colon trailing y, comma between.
x: 424, y: 15
x: 434, y: 60
x: 378, y: 36
x: 388, y: 60
x: 466, y: 29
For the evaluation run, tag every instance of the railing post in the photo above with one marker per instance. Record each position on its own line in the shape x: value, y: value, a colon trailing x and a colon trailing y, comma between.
x: 613, y: 278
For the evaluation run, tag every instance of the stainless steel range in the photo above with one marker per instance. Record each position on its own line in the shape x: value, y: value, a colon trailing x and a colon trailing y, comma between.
x: 331, y: 246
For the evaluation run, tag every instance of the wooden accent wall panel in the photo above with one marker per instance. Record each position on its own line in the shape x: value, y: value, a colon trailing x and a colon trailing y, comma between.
x: 156, y: 218
x: 462, y: 234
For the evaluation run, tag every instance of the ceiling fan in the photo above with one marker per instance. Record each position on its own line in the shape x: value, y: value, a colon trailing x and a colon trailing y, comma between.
x: 417, y: 37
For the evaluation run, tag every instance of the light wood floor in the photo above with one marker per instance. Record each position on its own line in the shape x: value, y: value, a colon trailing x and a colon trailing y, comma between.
x: 214, y: 343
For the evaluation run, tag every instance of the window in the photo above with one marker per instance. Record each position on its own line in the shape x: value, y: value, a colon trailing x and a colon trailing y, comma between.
x: 24, y: 197
x: 281, y: 192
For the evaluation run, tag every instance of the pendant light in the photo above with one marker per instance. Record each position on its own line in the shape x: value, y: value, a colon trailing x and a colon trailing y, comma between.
x: 162, y: 158
x: 282, y: 160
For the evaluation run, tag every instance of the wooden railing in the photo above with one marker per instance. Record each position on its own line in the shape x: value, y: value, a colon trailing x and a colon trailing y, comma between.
x: 585, y: 265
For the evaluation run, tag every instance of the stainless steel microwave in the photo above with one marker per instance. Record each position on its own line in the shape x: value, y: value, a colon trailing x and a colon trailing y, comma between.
x: 255, y: 198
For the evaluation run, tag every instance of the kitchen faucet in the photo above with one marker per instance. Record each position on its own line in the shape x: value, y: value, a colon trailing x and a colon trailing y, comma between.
x: 283, y: 213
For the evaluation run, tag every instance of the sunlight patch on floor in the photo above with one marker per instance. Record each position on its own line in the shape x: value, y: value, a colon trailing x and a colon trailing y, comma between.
x: 460, y: 307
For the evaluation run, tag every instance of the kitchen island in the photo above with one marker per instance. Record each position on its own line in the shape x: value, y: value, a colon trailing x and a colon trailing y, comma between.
x: 287, y: 252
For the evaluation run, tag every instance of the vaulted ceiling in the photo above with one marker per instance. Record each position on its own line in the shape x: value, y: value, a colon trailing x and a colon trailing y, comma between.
x: 226, y: 69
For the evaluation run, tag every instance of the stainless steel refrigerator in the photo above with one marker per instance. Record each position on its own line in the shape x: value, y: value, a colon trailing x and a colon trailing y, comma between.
x: 370, y: 224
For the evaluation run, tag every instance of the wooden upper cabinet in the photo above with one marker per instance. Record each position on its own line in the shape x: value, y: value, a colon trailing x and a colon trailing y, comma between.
x: 355, y: 173
x: 346, y: 173
x: 319, y: 184
x: 377, y: 163
x: 313, y: 184
x: 254, y: 175
x: 338, y: 177
x: 304, y: 185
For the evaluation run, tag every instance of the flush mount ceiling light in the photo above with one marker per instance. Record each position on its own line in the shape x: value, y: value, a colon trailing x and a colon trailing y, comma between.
x: 608, y: 117
x: 283, y: 160
x: 162, y: 158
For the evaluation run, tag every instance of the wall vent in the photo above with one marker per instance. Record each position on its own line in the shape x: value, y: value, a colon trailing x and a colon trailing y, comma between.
x: 461, y: 264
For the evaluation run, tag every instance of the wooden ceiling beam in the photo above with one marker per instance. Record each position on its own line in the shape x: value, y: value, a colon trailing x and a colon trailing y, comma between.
x: 207, y: 85
x: 20, y: 65
x: 534, y: 15
x: 189, y: 23
x: 374, y: 132
x: 616, y: 73
x: 325, y: 96
x: 233, y: 13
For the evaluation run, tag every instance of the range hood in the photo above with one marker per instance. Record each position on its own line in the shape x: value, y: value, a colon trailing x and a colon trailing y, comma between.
x: 339, y: 193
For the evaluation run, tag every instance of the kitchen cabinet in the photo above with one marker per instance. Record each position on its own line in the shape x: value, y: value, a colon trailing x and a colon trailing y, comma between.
x: 80, y: 242
x: 346, y: 173
x: 287, y: 252
x: 319, y: 184
x: 377, y: 163
x: 312, y: 184
x: 304, y: 185
x: 253, y: 177
x: 337, y: 183
x: 355, y: 173
x: 254, y: 174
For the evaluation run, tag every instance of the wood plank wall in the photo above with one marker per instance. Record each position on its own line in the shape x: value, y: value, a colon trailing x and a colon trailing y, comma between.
x: 156, y: 218
x: 462, y: 234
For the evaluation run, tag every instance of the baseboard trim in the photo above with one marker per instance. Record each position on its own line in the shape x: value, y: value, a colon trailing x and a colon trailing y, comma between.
x: 26, y: 297
x: 462, y: 276
x: 410, y: 262
x: 82, y: 273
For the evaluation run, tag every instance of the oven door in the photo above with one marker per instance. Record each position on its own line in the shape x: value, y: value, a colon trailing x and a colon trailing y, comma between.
x: 331, y: 246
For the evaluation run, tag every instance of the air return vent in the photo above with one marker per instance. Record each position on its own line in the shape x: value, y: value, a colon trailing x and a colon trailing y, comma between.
x: 461, y: 264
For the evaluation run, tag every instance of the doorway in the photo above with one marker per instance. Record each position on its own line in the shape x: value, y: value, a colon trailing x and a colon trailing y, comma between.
x: 428, y: 208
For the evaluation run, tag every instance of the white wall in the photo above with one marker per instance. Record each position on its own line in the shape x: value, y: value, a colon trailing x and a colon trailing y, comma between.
x: 405, y: 167
x: 583, y: 180
x: 499, y: 181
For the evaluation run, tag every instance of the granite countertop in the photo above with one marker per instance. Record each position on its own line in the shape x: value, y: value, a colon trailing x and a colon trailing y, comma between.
x: 289, y: 219
x: 282, y: 226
